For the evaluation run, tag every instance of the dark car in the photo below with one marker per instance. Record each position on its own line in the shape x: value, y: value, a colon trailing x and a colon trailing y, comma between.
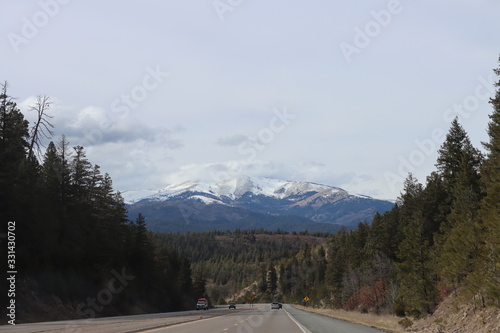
x: 232, y: 305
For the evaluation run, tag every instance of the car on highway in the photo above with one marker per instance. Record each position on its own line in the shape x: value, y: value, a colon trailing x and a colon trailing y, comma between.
x: 232, y: 305
x: 202, y: 304
x: 275, y: 305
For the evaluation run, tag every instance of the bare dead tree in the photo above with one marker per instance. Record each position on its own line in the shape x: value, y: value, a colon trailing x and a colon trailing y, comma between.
x: 42, y: 129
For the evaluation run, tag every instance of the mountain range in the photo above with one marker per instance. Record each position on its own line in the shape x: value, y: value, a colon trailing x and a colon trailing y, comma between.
x: 252, y: 203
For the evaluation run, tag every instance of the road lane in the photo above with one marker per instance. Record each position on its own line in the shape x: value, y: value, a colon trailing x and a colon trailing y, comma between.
x: 317, y: 323
x: 120, y: 324
x: 246, y: 319
x: 258, y: 319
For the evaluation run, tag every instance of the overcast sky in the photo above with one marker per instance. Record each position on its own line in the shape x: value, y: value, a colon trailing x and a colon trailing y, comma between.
x: 352, y: 94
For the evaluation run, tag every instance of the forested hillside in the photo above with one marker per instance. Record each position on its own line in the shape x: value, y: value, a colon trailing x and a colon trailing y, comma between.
x: 228, y: 262
x: 69, y: 236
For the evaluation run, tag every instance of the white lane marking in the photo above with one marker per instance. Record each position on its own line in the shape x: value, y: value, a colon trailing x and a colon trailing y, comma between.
x: 302, y: 328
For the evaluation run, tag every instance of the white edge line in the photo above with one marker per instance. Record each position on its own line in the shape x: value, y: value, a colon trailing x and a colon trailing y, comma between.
x: 302, y: 328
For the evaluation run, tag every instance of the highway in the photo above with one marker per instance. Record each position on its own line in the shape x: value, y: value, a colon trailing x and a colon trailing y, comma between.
x: 245, y: 319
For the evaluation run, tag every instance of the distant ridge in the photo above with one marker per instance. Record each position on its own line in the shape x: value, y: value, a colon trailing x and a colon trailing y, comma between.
x: 250, y: 202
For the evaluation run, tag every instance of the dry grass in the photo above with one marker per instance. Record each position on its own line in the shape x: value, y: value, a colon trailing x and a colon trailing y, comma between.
x: 387, y: 323
x: 450, y: 316
x: 457, y: 317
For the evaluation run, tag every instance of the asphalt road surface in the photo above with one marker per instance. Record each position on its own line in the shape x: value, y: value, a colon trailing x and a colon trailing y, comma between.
x: 245, y: 319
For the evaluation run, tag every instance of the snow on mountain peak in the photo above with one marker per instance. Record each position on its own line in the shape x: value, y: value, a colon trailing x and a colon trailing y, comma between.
x: 297, y: 188
x: 232, y: 188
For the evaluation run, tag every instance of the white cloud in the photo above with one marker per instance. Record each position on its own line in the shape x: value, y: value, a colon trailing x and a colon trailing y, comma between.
x: 94, y: 126
x: 302, y: 171
x: 232, y: 140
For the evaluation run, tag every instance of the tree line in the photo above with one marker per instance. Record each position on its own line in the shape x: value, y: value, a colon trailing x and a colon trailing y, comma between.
x: 72, y: 232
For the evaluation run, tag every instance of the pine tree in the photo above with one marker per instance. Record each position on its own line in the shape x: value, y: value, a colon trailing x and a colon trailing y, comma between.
x: 81, y: 171
x: 50, y: 210
x: 272, y: 280
x: 414, y: 272
x: 199, y: 284
x: 458, y: 165
x: 435, y: 203
x: 456, y: 145
x: 283, y: 279
x: 65, y: 155
x: 14, y: 138
x: 320, y: 266
x: 142, y: 246
x: 50, y: 175
x: 415, y: 276
x: 458, y: 254
x: 184, y: 277
x: 487, y: 278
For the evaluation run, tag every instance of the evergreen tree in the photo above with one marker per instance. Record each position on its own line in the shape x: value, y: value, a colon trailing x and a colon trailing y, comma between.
x: 435, y: 203
x: 458, y: 255
x: 81, y: 172
x: 185, y: 283
x: 415, y: 276
x: 456, y: 145
x: 65, y: 155
x: 142, y: 246
x: 487, y: 278
x: 283, y: 279
x: 272, y: 280
x: 14, y: 138
x: 417, y: 287
x: 50, y: 217
x: 199, y: 284
x: 320, y: 266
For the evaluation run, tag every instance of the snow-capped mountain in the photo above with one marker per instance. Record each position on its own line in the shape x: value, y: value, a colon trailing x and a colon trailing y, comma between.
x: 232, y: 189
x: 249, y: 201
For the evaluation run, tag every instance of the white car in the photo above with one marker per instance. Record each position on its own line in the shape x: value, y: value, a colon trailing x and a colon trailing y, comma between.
x: 275, y: 305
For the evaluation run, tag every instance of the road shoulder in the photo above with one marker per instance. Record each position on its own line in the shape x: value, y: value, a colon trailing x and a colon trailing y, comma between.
x: 388, y: 323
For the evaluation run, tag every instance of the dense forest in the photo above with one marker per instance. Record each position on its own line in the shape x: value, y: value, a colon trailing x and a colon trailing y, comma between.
x: 71, y: 237
x: 74, y: 242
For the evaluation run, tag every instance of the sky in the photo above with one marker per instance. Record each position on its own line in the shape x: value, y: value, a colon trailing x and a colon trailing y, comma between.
x: 353, y: 94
